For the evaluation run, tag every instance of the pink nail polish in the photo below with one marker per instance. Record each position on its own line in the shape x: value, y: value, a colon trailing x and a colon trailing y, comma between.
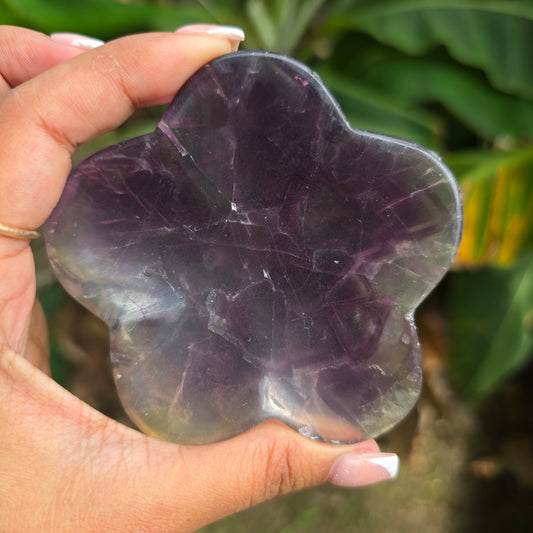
x: 77, y: 40
x: 232, y: 33
x: 358, y: 470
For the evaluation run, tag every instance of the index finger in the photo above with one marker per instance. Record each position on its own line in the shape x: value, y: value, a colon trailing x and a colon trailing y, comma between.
x: 26, y: 53
x: 46, y: 118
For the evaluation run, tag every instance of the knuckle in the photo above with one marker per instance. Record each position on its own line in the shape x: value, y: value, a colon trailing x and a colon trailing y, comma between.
x: 52, y: 131
x: 108, y: 66
x: 282, y: 470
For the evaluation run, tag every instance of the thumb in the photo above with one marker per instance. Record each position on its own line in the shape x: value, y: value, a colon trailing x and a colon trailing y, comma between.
x: 267, y: 461
x: 95, y: 474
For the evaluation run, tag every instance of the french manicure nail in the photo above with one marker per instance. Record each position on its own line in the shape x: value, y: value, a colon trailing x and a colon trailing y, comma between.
x: 358, y: 470
x: 77, y: 40
x: 232, y: 33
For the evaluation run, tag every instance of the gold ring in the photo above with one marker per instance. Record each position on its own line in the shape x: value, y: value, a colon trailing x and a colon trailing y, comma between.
x: 17, y: 233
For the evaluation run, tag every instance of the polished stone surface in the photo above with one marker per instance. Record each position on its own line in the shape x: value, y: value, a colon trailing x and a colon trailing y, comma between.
x: 257, y: 258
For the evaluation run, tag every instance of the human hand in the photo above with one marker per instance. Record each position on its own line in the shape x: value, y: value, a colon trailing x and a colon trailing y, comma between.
x: 63, y: 465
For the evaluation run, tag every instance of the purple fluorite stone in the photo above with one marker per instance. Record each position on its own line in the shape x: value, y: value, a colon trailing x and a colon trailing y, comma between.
x: 255, y: 257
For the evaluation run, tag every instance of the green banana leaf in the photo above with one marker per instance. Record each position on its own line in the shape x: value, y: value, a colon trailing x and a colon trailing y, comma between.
x: 497, y: 190
x: 490, y: 313
x: 463, y: 92
x: 105, y: 19
x: 495, y: 36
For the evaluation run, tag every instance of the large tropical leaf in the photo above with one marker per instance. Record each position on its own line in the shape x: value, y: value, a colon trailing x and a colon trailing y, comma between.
x: 484, y: 110
x: 280, y: 24
x: 374, y: 110
x: 100, y: 18
x: 7, y: 16
x: 496, y: 36
x: 490, y: 313
x: 498, y: 205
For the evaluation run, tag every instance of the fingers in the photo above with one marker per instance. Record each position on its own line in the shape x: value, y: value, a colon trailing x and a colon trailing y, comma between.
x: 25, y: 53
x: 44, y: 119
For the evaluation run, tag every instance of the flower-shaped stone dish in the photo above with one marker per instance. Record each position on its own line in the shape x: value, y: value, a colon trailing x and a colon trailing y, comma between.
x: 257, y: 258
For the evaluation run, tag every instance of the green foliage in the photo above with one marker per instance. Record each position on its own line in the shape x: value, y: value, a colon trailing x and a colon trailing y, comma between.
x: 282, y: 27
x: 491, y: 319
x: 455, y: 75
x: 378, y: 110
x: 465, y: 94
x: 491, y: 309
x: 105, y: 19
x: 498, y: 205
x: 496, y: 36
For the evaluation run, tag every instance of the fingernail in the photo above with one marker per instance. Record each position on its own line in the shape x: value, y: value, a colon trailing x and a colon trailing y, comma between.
x: 358, y: 470
x: 232, y: 33
x: 75, y: 39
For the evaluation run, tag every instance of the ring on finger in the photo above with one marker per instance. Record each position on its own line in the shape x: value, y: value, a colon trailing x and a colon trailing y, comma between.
x: 18, y: 233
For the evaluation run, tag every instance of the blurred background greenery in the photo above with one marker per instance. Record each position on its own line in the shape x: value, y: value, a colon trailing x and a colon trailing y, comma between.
x: 456, y: 76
